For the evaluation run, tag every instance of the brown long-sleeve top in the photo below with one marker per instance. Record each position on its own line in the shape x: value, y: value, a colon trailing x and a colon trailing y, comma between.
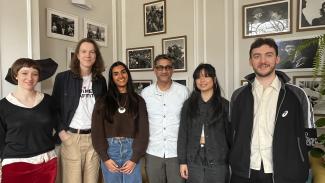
x: 123, y: 125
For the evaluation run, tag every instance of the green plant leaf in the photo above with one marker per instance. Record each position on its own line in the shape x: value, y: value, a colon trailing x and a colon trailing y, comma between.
x: 317, y: 152
x: 320, y: 122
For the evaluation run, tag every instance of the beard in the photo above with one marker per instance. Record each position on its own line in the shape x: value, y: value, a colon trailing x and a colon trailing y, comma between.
x: 260, y: 74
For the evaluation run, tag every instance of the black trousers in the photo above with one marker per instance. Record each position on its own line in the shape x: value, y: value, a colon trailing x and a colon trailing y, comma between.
x: 200, y: 171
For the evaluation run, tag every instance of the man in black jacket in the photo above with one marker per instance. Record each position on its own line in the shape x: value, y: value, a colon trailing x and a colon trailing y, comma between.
x: 268, y: 118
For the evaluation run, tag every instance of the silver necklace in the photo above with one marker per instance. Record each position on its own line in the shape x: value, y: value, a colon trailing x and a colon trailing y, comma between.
x: 121, y: 109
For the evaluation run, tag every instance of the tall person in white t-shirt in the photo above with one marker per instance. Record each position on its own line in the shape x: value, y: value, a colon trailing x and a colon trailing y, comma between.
x: 75, y: 92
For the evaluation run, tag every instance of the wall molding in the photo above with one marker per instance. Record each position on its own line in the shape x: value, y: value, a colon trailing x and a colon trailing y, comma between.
x: 114, y: 30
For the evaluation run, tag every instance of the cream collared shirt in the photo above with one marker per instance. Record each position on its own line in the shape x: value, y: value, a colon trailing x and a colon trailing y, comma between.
x: 265, y: 103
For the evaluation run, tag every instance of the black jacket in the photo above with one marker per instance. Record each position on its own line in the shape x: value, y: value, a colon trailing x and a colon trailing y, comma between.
x: 293, y: 114
x: 215, y: 131
x: 66, y: 93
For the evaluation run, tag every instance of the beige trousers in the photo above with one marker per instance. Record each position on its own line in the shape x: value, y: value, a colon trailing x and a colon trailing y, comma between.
x: 80, y: 162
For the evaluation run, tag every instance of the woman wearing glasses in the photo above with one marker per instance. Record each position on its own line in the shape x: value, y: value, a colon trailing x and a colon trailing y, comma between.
x: 202, y: 146
x: 120, y: 128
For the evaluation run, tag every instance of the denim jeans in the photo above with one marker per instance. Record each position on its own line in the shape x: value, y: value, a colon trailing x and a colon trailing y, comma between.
x: 120, y: 150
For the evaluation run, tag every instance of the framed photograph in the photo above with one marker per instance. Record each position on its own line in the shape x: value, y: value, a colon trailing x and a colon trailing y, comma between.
x: 243, y: 82
x: 267, y: 18
x: 140, y: 59
x: 139, y: 85
x: 62, y: 25
x: 154, y: 14
x: 176, y: 47
x: 312, y: 88
x: 291, y: 60
x: 181, y: 81
x: 96, y: 31
x: 310, y: 15
x: 70, y: 54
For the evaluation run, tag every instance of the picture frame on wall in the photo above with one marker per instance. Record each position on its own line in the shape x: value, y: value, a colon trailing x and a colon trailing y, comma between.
x: 154, y: 14
x: 267, y: 18
x: 182, y: 81
x: 291, y: 59
x: 61, y: 25
x: 140, y: 59
x: 243, y: 82
x: 311, y: 15
x: 312, y: 88
x: 176, y: 48
x: 70, y: 54
x: 139, y: 85
x: 96, y: 31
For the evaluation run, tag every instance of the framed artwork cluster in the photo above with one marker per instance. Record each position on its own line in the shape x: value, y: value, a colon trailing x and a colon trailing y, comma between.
x: 275, y: 17
x: 65, y: 26
x: 141, y: 58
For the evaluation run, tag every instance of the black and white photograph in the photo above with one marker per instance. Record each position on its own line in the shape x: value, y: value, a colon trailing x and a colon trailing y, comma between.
x: 176, y: 48
x: 154, y: 14
x: 96, y: 31
x: 293, y: 60
x: 267, y: 18
x: 70, y: 54
x: 139, y: 85
x: 181, y: 81
x: 62, y: 25
x: 140, y: 59
x: 313, y: 90
x: 243, y: 82
x: 311, y: 15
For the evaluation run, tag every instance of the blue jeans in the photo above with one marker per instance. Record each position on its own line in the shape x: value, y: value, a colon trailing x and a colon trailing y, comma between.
x: 120, y: 150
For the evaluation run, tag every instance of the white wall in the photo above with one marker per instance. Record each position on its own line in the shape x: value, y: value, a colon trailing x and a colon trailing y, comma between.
x: 18, y: 35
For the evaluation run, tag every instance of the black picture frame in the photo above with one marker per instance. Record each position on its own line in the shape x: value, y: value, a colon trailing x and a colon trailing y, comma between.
x: 140, y: 58
x: 139, y: 85
x: 176, y: 47
x: 154, y: 14
x: 267, y: 18
x: 310, y: 15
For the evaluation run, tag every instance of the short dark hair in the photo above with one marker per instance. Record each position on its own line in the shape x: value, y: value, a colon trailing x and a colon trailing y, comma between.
x: 162, y: 56
x: 20, y: 63
x: 98, y: 66
x: 263, y: 41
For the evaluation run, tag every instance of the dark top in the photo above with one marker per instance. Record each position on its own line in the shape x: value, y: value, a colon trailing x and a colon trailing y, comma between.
x: 289, y: 151
x: 123, y: 125
x: 216, y: 133
x: 66, y: 93
x: 26, y: 132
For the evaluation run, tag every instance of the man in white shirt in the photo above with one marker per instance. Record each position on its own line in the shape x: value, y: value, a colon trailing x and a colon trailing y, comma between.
x: 164, y: 100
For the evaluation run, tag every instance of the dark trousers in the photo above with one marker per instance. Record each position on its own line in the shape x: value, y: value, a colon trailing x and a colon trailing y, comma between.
x: 257, y: 176
x: 201, y: 171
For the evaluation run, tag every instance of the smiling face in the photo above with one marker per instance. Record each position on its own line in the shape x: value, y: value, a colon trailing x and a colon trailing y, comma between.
x: 263, y: 60
x: 120, y: 78
x: 204, y: 82
x: 86, y: 55
x: 27, y: 78
x: 164, y: 71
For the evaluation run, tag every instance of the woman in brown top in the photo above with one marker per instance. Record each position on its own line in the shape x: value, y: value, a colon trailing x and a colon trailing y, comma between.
x: 120, y: 128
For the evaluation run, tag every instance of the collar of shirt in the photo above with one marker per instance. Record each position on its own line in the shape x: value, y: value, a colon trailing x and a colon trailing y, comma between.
x: 276, y: 85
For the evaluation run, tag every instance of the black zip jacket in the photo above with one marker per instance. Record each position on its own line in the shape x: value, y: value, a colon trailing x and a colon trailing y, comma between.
x: 293, y: 115
x: 216, y: 128
x: 66, y: 93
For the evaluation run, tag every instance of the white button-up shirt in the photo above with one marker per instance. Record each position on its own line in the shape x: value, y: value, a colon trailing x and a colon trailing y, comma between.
x: 164, y: 108
x: 265, y: 102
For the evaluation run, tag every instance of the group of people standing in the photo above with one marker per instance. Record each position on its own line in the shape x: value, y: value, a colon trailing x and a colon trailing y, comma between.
x: 197, y: 137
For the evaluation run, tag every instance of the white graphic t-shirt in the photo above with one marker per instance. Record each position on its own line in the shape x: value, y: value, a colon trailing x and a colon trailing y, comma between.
x: 82, y: 116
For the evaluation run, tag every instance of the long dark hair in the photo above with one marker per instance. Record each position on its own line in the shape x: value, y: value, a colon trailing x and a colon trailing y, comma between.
x: 218, y: 107
x: 98, y: 66
x: 113, y: 95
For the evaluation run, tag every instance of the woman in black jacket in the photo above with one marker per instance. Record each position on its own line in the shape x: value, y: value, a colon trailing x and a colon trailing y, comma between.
x: 202, y: 147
